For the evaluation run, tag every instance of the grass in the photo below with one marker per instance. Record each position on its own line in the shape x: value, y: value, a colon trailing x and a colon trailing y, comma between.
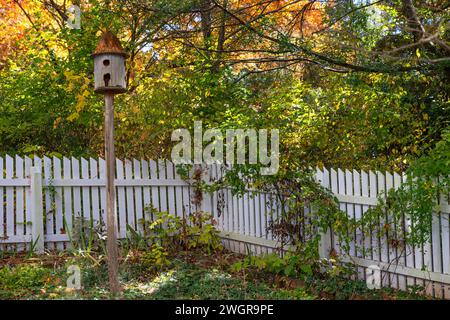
x: 190, y: 281
x: 45, y: 278
x: 188, y: 275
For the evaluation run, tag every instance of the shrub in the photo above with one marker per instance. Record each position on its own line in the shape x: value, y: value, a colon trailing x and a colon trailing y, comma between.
x: 20, y: 281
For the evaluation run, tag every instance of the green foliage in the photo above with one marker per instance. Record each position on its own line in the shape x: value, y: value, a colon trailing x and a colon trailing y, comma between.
x: 155, y: 257
x: 193, y: 282
x: 190, y: 275
x: 20, y: 281
x: 88, y: 236
x: 165, y: 233
x: 307, y: 209
x: 201, y: 233
x: 291, y: 264
x: 325, y: 279
x: 168, y: 232
x: 409, y: 209
x: 349, y: 120
x: 338, y: 287
x: 163, y: 229
x: 336, y: 120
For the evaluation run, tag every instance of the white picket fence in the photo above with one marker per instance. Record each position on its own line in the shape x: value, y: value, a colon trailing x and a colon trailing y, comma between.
x: 73, y: 188
x: 427, y: 267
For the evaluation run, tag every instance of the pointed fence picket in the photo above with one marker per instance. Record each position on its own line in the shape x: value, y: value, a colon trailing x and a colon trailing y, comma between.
x: 401, y: 267
x: 74, y: 190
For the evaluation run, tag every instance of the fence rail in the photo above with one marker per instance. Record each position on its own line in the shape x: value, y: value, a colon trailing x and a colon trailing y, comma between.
x: 357, y: 191
x: 54, y: 192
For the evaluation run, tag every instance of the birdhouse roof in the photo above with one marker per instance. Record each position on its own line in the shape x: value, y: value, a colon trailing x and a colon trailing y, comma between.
x: 109, y: 44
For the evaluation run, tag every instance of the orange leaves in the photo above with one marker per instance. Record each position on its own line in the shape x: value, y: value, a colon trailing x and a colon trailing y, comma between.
x: 292, y: 17
x: 25, y: 25
x: 251, y: 26
x: 12, y: 28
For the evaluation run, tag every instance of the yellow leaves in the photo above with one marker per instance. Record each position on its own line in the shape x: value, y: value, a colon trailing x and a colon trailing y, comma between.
x: 69, y: 75
x: 56, y: 123
x: 135, y: 109
x: 77, y: 81
x: 320, y: 164
x: 73, y: 116
x: 69, y: 290
x: 166, y: 76
x: 80, y: 103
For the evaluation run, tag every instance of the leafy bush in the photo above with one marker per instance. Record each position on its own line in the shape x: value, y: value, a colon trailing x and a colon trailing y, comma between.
x: 155, y: 258
x: 17, y: 282
x: 291, y: 264
x: 409, y: 209
x: 165, y: 233
x: 201, y: 232
x: 88, y: 235
x: 307, y: 209
x: 162, y: 228
x: 169, y: 231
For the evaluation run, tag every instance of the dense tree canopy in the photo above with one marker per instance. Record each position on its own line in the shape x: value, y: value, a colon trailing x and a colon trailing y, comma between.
x: 348, y: 83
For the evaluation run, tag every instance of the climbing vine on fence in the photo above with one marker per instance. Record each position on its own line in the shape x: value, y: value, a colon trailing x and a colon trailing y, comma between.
x: 308, y: 210
x: 403, y: 216
x: 409, y: 209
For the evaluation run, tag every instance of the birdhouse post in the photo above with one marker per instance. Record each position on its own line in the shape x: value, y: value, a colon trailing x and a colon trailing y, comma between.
x: 110, y: 79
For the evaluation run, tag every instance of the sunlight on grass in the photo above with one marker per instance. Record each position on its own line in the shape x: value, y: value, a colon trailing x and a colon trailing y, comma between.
x: 149, y: 288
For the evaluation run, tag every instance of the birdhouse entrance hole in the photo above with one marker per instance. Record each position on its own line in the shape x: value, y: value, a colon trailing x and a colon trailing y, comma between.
x: 106, y: 78
x: 106, y: 62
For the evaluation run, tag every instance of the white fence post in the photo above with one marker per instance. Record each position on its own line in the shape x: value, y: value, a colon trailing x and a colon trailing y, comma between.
x: 206, y: 202
x: 325, y: 244
x: 37, y: 219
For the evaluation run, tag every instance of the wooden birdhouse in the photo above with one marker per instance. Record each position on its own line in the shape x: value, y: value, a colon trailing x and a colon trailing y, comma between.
x: 109, y: 65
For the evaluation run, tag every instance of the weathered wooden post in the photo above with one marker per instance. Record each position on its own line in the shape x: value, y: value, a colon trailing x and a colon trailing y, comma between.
x: 110, y: 79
